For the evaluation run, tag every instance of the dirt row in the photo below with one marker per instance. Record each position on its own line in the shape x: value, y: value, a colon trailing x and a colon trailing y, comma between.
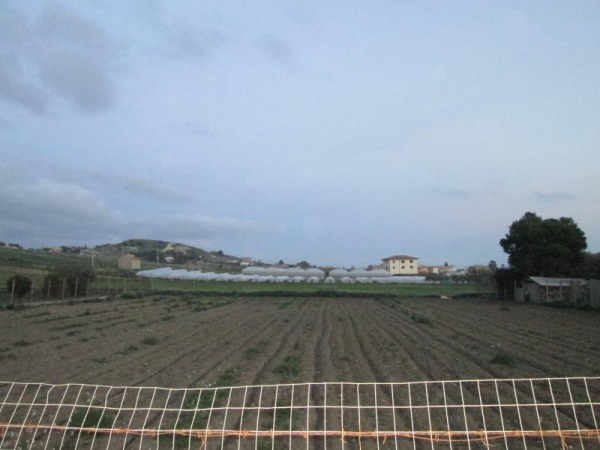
x: 212, y: 343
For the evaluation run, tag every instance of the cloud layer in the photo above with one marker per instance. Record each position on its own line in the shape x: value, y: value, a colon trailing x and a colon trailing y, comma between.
x: 57, y: 54
x: 50, y: 211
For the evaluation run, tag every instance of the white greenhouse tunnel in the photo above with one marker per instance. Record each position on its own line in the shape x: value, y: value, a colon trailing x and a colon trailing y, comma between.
x: 279, y: 275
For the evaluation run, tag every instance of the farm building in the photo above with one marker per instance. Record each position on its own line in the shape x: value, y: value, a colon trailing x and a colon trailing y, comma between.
x: 401, y: 265
x: 551, y: 290
x: 129, y: 262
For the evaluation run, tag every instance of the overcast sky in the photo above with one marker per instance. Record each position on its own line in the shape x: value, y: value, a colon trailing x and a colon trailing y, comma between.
x: 336, y: 132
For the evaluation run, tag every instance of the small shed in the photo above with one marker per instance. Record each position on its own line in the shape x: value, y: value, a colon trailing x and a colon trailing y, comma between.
x: 553, y: 290
x: 130, y: 262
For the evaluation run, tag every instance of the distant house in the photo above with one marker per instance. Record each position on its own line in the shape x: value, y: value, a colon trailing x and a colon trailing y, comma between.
x: 129, y: 262
x: 441, y: 270
x: 245, y: 261
x: 169, y: 259
x: 55, y: 250
x: 401, y: 265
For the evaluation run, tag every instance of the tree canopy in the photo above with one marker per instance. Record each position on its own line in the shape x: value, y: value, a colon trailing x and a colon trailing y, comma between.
x: 544, y: 247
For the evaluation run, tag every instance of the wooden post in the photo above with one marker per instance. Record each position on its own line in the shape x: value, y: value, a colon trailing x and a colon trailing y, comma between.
x: 76, y: 286
x: 109, y: 278
x: 546, y: 301
x: 514, y: 290
x: 63, y: 289
x: 12, y: 292
x: 49, y: 285
x: 561, y: 289
x: 87, y: 289
x: 31, y: 291
x: 124, y: 284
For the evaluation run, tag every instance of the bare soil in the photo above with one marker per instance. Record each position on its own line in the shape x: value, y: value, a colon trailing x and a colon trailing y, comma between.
x: 170, y: 342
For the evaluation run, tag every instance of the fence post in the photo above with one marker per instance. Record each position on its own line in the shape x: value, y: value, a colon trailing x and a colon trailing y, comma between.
x: 109, y: 279
x: 547, y: 298
x: 63, y: 289
x: 124, y: 284
x: 87, y: 289
x: 76, y: 286
x: 49, y: 285
x: 31, y: 291
x: 12, y: 292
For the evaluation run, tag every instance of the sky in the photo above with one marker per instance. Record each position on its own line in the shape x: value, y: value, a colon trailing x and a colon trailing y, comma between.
x: 336, y: 132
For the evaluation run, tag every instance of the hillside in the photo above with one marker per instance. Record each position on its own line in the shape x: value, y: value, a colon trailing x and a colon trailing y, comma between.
x: 162, y: 251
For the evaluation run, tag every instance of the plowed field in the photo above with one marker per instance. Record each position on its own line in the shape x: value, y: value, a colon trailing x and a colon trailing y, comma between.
x: 166, y: 341
x: 201, y: 342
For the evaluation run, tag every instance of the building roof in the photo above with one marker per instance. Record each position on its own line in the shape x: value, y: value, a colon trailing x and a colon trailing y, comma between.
x: 553, y: 282
x: 389, y: 258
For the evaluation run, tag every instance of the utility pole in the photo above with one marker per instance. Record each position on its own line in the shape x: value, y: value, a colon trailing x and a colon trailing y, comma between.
x: 93, y: 254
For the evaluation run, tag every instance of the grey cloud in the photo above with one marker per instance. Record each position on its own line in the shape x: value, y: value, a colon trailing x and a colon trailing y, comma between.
x: 61, y: 212
x: 143, y: 185
x: 201, y: 226
x: 60, y: 53
x: 15, y: 90
x: 451, y: 193
x: 182, y: 42
x: 276, y: 48
x: 553, y: 196
x: 179, y: 39
x: 136, y: 184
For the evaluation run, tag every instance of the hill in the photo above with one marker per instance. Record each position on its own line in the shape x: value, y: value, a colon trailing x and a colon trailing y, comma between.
x: 166, y: 252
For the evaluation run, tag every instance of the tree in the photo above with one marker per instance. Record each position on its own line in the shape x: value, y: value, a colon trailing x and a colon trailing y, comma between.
x: 590, y: 268
x: 73, y: 275
x: 22, y: 285
x: 544, y: 247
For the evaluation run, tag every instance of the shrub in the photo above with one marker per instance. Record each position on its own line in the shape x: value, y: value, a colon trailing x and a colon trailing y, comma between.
x: 22, y: 285
x: 503, y: 359
x: 91, y: 418
x: 73, y: 276
x: 420, y: 318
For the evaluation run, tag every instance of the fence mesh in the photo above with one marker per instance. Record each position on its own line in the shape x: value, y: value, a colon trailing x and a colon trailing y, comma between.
x: 545, y: 413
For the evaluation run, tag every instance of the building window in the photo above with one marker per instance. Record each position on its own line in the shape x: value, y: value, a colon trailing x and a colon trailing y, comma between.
x: 403, y: 267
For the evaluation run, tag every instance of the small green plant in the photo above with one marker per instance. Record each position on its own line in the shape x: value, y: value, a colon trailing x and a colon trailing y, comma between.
x: 129, y: 295
x: 91, y: 418
x: 290, y: 366
x: 227, y: 378
x: 421, y: 319
x: 166, y: 318
x: 504, y: 308
x: 128, y: 350
x: 100, y: 360
x: 503, y: 359
x: 22, y: 343
x: 150, y: 340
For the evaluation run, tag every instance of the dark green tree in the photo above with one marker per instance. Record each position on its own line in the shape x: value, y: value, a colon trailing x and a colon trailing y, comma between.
x: 74, y: 276
x: 22, y: 285
x: 544, y: 247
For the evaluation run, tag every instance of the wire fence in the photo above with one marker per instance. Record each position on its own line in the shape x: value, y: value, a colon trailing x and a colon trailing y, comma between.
x: 543, y: 413
x: 63, y: 289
